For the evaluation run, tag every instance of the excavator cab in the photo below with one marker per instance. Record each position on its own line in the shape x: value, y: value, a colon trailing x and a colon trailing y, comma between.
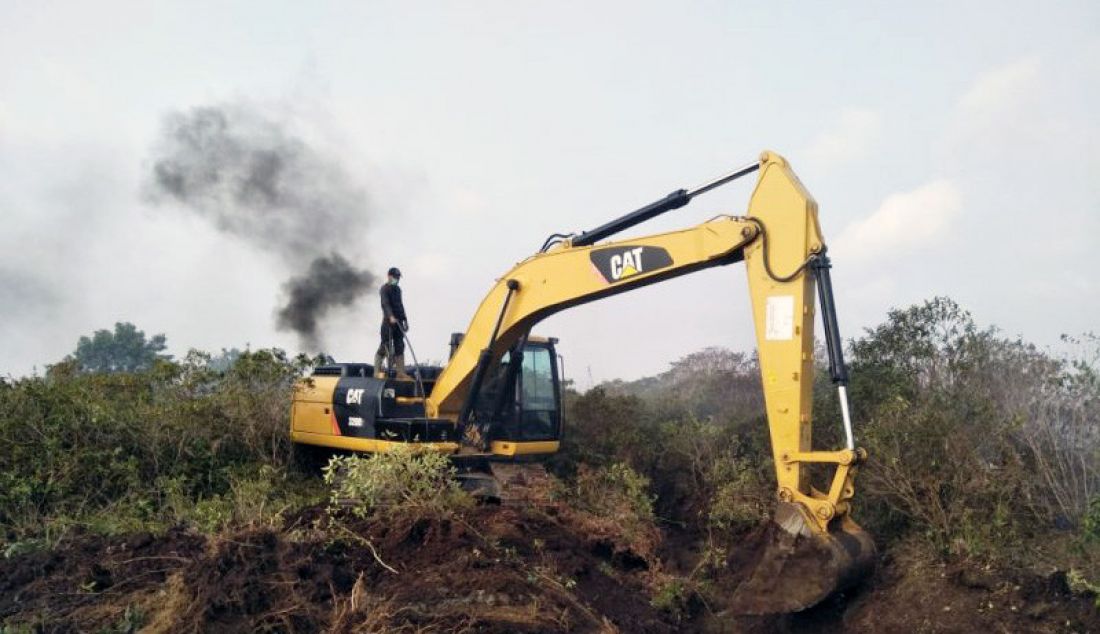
x: 522, y: 398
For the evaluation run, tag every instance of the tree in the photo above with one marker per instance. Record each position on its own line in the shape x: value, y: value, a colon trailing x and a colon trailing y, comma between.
x: 225, y: 360
x: 976, y: 440
x: 124, y: 350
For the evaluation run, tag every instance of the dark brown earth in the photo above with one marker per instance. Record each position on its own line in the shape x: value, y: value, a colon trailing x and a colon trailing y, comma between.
x: 496, y: 570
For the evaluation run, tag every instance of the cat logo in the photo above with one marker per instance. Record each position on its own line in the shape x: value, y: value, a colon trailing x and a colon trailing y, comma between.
x: 355, y: 396
x: 622, y: 263
x: 626, y: 263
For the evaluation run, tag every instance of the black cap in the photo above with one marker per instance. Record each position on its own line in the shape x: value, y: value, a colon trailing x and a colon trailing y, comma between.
x: 394, y: 272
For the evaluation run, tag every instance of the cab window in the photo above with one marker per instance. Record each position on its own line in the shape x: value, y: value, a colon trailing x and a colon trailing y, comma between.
x: 539, y: 400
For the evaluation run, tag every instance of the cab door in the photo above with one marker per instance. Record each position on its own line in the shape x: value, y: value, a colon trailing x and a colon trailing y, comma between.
x: 539, y: 393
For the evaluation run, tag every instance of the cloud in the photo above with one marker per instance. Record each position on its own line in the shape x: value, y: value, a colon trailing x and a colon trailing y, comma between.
x: 1001, y: 87
x: 904, y: 222
x: 849, y: 138
x: 1008, y: 111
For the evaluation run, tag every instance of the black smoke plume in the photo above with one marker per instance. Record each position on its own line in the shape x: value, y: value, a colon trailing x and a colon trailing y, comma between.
x: 249, y: 175
x: 329, y: 282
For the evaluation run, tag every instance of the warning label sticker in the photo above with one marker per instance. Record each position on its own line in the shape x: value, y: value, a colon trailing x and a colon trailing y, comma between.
x: 779, y: 318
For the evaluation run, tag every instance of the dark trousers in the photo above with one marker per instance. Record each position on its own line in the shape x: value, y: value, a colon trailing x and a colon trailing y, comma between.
x: 392, y: 339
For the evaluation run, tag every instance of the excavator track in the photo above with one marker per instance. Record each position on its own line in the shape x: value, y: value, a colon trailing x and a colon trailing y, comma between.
x: 508, y: 484
x: 524, y: 484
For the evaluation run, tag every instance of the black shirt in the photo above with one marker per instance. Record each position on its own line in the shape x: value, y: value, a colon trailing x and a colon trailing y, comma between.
x: 391, y: 303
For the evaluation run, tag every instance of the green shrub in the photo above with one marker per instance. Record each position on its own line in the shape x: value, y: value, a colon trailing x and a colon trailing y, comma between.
x: 612, y: 504
x: 977, y: 443
x: 670, y: 597
x: 740, y: 500
x: 255, y: 497
x: 652, y: 426
x: 126, y: 450
x: 1081, y: 585
x: 616, y: 490
x: 1090, y: 525
x: 403, y: 482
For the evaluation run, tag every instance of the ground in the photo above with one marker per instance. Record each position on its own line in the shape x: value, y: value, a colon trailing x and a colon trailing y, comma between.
x: 494, y: 569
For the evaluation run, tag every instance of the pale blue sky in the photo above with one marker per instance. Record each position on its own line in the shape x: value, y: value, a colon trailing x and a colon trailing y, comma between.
x: 952, y: 147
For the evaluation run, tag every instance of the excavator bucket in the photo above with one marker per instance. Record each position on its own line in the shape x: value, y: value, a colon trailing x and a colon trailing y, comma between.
x: 795, y: 565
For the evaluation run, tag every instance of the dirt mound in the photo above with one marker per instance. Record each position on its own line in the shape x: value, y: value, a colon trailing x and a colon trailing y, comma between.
x: 912, y: 592
x: 495, y: 570
x: 915, y: 594
x: 93, y: 582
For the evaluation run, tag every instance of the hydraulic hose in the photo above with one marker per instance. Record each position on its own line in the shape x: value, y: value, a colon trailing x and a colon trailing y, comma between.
x: 416, y: 364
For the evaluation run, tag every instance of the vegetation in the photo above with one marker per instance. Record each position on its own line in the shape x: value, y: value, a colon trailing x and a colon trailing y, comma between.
x: 980, y: 445
x: 613, y: 505
x: 412, y: 485
x: 124, y: 350
x: 142, y: 450
x: 982, y: 448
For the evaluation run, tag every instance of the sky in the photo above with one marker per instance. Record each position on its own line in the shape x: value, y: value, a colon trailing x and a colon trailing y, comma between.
x: 953, y: 149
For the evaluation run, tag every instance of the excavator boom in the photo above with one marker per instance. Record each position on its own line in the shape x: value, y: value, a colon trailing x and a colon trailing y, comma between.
x: 780, y: 241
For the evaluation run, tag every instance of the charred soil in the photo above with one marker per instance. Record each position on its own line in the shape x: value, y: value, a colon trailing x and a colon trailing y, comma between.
x: 494, y: 569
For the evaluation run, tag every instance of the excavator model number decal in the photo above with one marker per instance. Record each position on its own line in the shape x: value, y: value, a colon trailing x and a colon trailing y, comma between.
x: 779, y: 318
x: 620, y: 263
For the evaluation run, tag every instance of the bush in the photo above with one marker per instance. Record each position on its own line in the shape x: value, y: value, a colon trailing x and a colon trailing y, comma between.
x: 256, y: 496
x: 741, y: 500
x: 604, y: 427
x: 613, y: 505
x: 95, y: 449
x: 616, y: 490
x: 403, y: 483
x: 977, y: 443
x: 1090, y: 526
x: 671, y: 597
x: 682, y: 430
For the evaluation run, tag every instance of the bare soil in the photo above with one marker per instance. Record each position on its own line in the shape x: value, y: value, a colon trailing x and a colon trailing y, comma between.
x: 495, y: 570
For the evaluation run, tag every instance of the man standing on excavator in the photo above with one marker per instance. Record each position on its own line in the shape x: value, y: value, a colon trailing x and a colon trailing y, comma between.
x: 394, y: 325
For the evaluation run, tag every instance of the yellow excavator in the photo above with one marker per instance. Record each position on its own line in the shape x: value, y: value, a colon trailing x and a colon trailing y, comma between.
x: 496, y: 405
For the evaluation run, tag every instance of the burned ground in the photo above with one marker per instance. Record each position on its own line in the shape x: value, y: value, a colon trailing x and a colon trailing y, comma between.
x: 493, y: 570
x: 497, y: 570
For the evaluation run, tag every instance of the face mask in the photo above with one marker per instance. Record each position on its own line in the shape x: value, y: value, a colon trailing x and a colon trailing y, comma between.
x: 394, y: 280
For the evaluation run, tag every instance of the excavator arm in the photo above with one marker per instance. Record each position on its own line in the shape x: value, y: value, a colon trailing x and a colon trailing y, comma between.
x: 567, y: 276
x: 780, y: 241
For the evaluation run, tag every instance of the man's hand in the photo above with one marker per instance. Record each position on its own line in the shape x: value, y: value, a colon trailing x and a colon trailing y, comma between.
x: 393, y: 320
x: 405, y: 326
